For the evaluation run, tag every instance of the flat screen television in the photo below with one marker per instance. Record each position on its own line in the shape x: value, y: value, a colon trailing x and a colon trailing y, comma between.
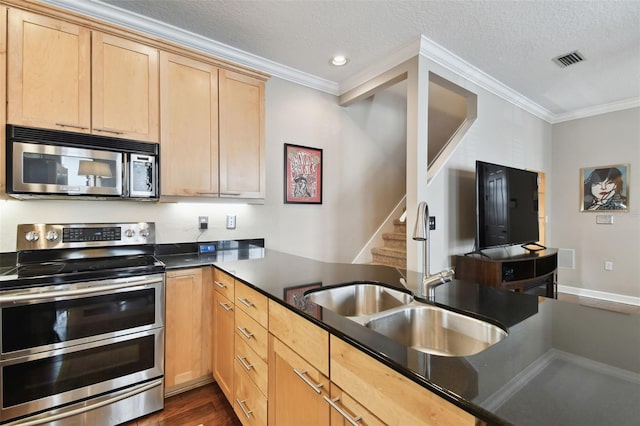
x: 506, y: 206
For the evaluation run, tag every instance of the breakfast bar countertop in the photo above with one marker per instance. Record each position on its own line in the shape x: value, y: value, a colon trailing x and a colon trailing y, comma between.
x: 561, y: 363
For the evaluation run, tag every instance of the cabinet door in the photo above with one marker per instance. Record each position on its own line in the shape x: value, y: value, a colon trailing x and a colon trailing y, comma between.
x: 296, y: 389
x: 125, y: 91
x: 189, y: 112
x: 242, y: 169
x: 223, y: 343
x: 49, y: 73
x: 183, y: 327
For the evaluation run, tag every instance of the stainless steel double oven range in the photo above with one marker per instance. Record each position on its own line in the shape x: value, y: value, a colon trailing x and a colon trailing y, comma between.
x: 82, y: 326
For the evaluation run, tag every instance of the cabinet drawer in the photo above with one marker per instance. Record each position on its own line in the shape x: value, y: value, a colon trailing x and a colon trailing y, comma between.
x: 254, y: 366
x: 223, y: 283
x: 388, y: 394
x: 253, y: 303
x: 249, y: 331
x: 343, y: 406
x: 305, y: 338
x: 249, y: 403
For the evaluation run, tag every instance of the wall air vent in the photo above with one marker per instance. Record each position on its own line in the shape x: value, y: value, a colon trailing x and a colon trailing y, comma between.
x: 569, y: 59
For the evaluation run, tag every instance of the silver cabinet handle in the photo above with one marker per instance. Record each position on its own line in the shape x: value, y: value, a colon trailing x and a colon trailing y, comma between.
x: 245, y: 302
x: 231, y: 193
x: 245, y: 333
x: 246, y: 411
x: 73, y: 126
x: 114, y: 132
x: 242, y: 359
x: 303, y: 376
x: 332, y: 402
x: 219, y: 284
x: 225, y: 306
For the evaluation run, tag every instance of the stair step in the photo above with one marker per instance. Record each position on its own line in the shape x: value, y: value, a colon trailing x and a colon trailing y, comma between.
x: 396, y: 262
x: 399, y: 227
x: 395, y: 240
x: 389, y: 252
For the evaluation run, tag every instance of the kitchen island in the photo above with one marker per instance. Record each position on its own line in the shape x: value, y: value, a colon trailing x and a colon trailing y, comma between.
x: 560, y: 363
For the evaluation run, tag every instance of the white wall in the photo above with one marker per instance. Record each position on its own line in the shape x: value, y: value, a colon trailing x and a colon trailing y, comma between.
x: 359, y: 188
x: 503, y: 133
x: 602, y: 140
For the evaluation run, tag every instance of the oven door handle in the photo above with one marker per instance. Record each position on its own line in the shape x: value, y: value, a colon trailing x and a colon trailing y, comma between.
x: 21, y: 296
x: 76, y: 411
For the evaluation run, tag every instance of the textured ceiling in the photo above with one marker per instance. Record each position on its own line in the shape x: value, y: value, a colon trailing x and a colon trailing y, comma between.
x: 512, y: 41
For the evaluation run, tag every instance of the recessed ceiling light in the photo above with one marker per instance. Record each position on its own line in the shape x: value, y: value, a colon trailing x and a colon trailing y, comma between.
x: 339, y: 60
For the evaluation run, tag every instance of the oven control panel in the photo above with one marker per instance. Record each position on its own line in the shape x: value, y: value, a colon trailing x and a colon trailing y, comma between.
x: 42, y: 236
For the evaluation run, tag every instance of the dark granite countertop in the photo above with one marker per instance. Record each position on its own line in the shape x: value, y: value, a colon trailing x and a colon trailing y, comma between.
x: 560, y: 364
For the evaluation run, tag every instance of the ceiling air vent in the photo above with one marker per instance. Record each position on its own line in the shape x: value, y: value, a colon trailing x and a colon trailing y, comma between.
x: 569, y: 59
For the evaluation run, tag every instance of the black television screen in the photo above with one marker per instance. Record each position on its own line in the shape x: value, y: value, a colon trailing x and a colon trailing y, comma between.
x: 506, y: 206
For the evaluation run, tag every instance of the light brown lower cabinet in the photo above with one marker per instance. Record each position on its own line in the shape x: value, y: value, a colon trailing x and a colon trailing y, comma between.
x: 390, y: 396
x: 189, y: 297
x: 296, y: 389
x: 249, y: 403
x: 346, y: 411
x: 223, y: 343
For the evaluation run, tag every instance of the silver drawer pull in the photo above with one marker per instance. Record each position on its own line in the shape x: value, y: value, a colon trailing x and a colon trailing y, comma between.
x: 246, y: 411
x: 245, y: 333
x: 114, y: 132
x: 219, y: 284
x: 225, y: 306
x: 231, y: 193
x: 352, y: 421
x: 242, y: 359
x: 73, y: 126
x: 245, y: 302
x: 303, y: 376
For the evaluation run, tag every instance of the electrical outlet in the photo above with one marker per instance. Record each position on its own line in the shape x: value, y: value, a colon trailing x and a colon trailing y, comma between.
x: 432, y: 223
x: 203, y: 222
x: 608, y: 266
x: 231, y: 221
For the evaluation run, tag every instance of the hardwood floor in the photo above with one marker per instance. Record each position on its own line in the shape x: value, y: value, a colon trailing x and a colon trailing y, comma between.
x: 204, y: 406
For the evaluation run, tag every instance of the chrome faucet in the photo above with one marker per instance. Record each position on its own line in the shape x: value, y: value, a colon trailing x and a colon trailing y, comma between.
x: 421, y: 233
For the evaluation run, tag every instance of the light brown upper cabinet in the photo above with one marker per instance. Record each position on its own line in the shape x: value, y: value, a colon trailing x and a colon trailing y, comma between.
x: 242, y: 169
x: 189, y: 117
x: 125, y: 89
x: 212, y: 130
x: 54, y: 79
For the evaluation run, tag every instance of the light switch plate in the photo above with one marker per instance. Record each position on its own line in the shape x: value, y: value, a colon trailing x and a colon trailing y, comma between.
x: 231, y: 221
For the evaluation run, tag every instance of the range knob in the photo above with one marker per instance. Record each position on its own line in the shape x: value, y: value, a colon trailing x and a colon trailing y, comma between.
x: 144, y: 232
x: 51, y: 236
x: 32, y: 236
x: 129, y: 233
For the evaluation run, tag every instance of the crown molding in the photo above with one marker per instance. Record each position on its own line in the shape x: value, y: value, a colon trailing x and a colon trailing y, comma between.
x: 421, y: 46
x: 162, y: 30
x: 597, y: 110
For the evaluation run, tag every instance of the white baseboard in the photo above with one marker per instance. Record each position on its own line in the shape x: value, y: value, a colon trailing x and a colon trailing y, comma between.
x: 595, y: 294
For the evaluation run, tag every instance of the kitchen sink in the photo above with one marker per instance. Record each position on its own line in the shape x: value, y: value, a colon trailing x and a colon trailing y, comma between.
x: 436, y: 331
x: 359, y: 299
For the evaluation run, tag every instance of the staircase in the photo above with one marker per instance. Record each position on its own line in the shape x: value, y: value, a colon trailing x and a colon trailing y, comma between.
x: 394, y: 250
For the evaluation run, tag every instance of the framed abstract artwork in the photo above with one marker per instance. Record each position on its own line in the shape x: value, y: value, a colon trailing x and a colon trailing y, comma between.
x: 302, y: 174
x: 604, y: 188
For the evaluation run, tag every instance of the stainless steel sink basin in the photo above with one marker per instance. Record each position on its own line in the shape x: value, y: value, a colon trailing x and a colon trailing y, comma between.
x: 437, y: 331
x: 359, y: 299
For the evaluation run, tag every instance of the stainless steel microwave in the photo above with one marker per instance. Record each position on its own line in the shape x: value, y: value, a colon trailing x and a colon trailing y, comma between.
x: 54, y: 164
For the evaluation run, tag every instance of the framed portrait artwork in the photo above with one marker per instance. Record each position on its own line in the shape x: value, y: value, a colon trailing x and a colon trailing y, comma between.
x: 604, y: 188
x: 303, y: 174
